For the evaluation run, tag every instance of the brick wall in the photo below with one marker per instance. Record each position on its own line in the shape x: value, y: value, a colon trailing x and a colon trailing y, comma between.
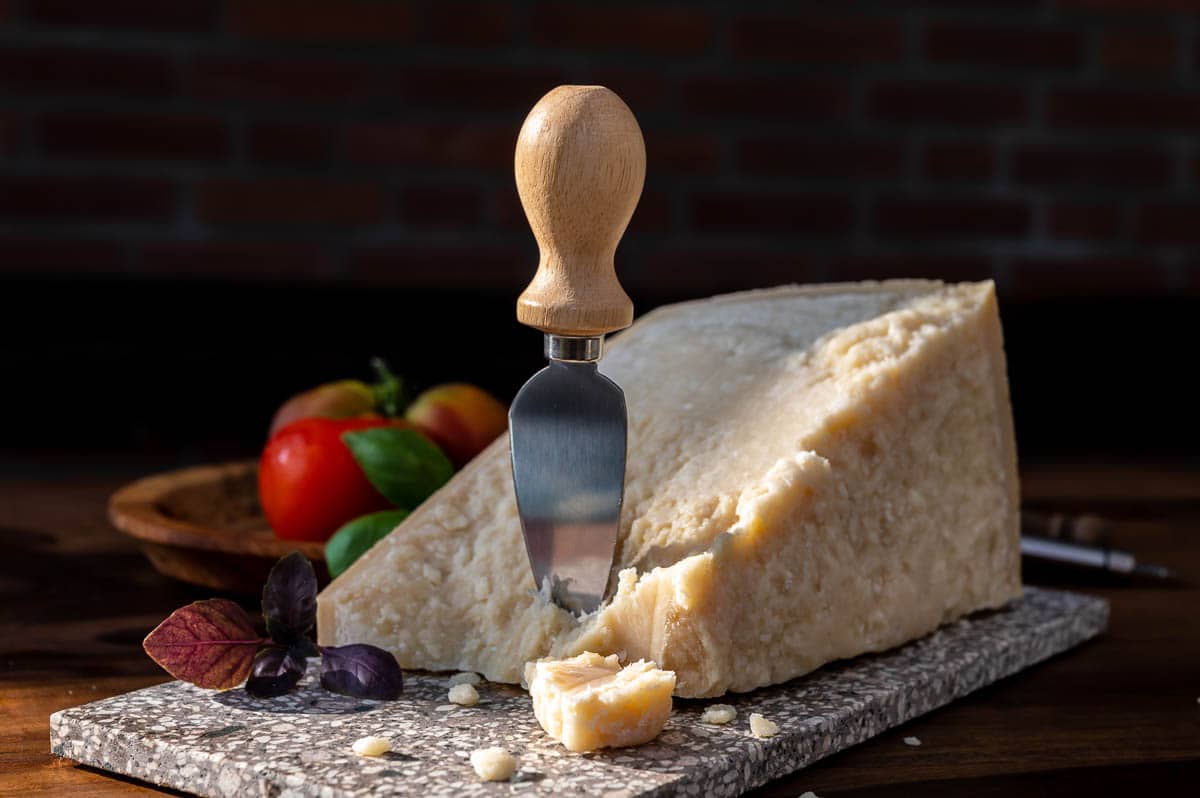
x: 1048, y: 143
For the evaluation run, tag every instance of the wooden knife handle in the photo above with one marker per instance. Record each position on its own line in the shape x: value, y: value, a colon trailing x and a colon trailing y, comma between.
x: 580, y: 165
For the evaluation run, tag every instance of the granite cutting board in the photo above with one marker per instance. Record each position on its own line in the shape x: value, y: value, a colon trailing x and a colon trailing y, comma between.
x: 229, y: 744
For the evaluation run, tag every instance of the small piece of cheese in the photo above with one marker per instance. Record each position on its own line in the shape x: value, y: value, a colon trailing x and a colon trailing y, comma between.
x: 493, y: 764
x: 912, y: 742
x: 718, y: 714
x: 464, y: 695
x: 372, y: 746
x: 465, y: 678
x: 812, y: 473
x: 762, y: 727
x: 590, y: 702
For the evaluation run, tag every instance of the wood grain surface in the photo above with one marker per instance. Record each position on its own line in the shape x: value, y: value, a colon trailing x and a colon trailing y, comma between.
x: 580, y: 166
x: 204, y: 525
x: 1119, y: 714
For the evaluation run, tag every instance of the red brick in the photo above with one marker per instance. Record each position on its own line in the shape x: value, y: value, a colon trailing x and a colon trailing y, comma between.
x: 816, y: 157
x: 30, y: 255
x: 910, y: 265
x: 54, y: 70
x: 469, y: 24
x: 958, y: 160
x: 1064, y: 165
x: 813, y: 39
x: 291, y: 201
x: 1141, y: 6
x: 1053, y: 278
x: 440, y: 205
x: 254, y: 80
x: 1138, y: 51
x: 291, y: 143
x: 482, y: 266
x: 507, y: 89
x: 10, y: 134
x: 659, y: 31
x: 91, y: 199
x: 189, y: 137
x: 1169, y: 223
x: 677, y: 152
x: 652, y: 215
x: 960, y: 103
x: 174, y: 16
x: 475, y: 147
x: 1087, y: 221
x: 224, y: 260
x: 678, y: 272
x: 357, y: 21
x: 771, y: 212
x: 957, y: 43
x: 1124, y: 108
x: 775, y: 97
x: 951, y: 218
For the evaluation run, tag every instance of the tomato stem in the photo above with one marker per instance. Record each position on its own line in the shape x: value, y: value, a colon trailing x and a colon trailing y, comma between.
x: 389, y: 390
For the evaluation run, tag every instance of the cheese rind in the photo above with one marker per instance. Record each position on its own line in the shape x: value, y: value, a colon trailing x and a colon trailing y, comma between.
x: 813, y: 473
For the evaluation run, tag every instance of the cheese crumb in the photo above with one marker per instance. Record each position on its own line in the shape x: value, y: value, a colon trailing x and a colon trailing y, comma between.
x: 718, y: 714
x: 372, y: 746
x: 464, y: 695
x: 493, y: 764
x: 809, y: 794
x: 912, y: 742
x: 762, y: 727
x: 465, y: 678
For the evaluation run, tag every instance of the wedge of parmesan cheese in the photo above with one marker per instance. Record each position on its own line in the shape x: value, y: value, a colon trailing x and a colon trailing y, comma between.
x: 813, y: 473
x: 590, y: 702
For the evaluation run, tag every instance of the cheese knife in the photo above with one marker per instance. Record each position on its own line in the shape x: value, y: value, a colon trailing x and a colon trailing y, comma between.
x: 580, y: 164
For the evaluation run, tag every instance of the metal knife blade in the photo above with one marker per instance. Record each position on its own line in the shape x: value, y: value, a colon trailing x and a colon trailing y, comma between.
x: 569, y: 427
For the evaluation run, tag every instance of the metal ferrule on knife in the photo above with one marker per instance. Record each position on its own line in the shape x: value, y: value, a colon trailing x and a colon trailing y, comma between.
x: 574, y: 349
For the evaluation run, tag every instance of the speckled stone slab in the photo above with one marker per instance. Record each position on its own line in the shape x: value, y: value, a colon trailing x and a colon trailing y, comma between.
x: 229, y: 744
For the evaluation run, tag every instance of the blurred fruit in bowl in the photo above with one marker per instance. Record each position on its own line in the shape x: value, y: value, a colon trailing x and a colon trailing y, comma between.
x: 344, y: 399
x: 309, y: 484
x: 460, y: 418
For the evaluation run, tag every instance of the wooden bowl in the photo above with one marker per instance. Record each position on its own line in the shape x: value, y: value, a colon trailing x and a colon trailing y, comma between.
x: 203, y: 525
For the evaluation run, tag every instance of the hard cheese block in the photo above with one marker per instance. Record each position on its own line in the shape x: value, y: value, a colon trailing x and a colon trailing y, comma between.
x: 813, y: 473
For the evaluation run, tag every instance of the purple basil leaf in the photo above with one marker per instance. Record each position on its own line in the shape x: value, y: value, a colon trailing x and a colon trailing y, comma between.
x: 209, y: 643
x: 361, y: 671
x: 289, y: 600
x: 276, y: 670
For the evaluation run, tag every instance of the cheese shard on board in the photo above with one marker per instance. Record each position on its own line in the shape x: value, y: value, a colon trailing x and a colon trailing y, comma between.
x: 813, y: 473
x: 590, y: 702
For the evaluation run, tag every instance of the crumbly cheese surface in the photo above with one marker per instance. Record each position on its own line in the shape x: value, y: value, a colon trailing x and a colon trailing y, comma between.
x: 464, y: 695
x: 718, y: 714
x: 762, y: 726
x: 590, y: 702
x: 813, y: 473
x: 372, y: 746
x: 493, y: 764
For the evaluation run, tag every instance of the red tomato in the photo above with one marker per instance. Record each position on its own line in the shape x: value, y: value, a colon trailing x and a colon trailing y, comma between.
x: 309, y: 484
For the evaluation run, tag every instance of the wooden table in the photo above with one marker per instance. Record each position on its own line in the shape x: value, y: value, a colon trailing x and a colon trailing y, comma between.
x: 1118, y: 715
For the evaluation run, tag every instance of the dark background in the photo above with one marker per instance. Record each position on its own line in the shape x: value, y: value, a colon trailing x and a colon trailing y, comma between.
x: 205, y: 206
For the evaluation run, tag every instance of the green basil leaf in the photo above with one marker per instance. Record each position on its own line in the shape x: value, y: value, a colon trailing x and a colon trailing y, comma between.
x: 352, y: 540
x: 402, y: 464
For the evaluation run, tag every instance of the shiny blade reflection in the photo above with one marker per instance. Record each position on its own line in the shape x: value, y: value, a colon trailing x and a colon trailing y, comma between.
x: 568, y: 431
